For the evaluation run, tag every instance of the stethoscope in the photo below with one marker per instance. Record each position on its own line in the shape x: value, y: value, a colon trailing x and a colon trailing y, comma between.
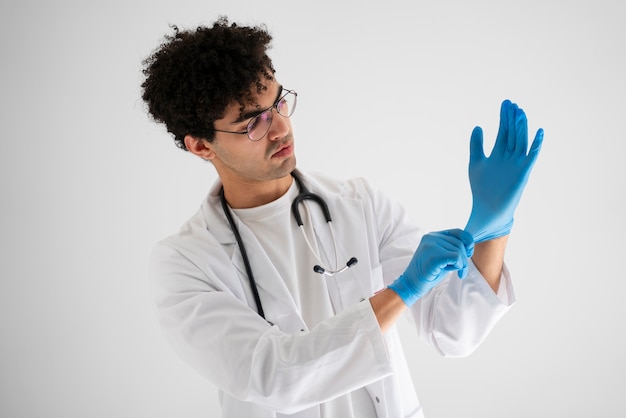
x: 304, y: 194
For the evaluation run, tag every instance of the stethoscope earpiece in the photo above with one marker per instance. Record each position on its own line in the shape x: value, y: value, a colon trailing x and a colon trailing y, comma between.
x: 319, y: 269
x: 352, y: 262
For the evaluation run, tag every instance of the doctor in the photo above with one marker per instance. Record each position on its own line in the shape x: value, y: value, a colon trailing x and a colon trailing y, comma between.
x: 298, y: 320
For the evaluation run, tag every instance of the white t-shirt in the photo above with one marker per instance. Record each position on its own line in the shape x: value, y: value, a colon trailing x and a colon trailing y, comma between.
x: 278, y: 233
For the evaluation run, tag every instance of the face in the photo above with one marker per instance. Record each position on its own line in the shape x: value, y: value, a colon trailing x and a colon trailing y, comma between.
x: 236, y: 158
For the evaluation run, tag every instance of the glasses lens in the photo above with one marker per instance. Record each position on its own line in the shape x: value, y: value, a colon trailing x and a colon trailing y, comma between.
x: 287, y: 104
x: 259, y: 125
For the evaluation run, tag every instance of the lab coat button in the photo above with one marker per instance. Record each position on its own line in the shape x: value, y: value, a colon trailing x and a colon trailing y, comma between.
x: 377, y: 400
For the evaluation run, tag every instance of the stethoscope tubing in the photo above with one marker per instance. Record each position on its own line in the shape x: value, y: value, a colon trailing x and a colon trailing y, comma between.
x: 244, y: 255
x: 304, y: 194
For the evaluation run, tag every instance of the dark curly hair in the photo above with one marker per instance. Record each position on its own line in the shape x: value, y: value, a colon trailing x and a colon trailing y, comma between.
x: 194, y: 75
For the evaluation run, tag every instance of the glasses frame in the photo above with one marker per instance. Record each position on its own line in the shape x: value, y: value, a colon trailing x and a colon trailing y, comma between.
x: 269, y: 113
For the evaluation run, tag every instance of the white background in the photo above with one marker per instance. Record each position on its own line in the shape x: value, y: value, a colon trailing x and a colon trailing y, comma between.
x: 387, y: 90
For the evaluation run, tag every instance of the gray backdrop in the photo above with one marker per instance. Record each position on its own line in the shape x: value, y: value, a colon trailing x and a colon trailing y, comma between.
x: 389, y: 91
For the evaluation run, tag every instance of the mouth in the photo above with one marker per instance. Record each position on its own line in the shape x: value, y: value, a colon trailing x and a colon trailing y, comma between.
x: 284, y: 150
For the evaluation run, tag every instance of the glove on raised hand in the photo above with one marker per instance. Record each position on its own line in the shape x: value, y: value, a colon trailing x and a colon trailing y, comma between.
x: 437, y: 254
x: 497, y: 182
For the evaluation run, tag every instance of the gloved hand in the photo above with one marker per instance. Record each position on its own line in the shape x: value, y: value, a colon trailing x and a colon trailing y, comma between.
x: 437, y: 254
x: 497, y: 182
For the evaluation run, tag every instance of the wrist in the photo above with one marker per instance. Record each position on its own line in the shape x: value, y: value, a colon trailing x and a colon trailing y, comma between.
x: 489, y: 260
x: 388, y: 307
x: 403, y: 287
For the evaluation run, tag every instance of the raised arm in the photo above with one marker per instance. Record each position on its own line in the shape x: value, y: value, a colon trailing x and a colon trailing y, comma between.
x: 497, y: 184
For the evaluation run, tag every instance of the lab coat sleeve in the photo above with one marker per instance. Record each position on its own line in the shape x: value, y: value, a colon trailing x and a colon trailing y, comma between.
x: 457, y: 315
x: 228, y: 343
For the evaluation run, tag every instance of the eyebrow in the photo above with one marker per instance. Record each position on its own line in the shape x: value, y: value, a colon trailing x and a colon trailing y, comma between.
x: 244, y: 115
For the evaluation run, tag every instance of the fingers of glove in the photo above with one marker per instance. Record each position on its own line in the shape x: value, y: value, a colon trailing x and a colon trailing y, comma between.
x: 462, y: 273
x: 535, y: 148
x: 451, y: 252
x: 521, y: 133
x: 467, y: 241
x: 435, y: 253
x: 466, y: 238
x: 477, y: 151
x: 456, y: 256
x: 513, y: 115
x: 503, y: 130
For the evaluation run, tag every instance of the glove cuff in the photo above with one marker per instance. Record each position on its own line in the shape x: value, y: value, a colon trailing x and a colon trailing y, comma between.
x: 487, y: 233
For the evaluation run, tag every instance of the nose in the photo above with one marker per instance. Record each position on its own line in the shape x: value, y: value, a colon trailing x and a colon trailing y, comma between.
x: 280, y: 126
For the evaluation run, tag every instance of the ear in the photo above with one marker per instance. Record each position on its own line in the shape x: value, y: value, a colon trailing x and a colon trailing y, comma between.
x: 200, y: 147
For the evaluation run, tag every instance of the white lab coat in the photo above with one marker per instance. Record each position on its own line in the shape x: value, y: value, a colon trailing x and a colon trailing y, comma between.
x: 207, y: 312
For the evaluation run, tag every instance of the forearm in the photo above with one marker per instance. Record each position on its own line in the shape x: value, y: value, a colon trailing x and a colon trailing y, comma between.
x: 489, y: 259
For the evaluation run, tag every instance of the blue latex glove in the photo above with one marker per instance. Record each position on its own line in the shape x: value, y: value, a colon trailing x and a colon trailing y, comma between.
x: 497, y: 182
x: 437, y: 254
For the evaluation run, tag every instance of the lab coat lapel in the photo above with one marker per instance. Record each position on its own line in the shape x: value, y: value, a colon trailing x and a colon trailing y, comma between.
x: 278, y: 304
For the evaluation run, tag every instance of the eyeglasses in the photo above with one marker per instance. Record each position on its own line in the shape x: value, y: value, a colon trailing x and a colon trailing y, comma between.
x: 260, y: 124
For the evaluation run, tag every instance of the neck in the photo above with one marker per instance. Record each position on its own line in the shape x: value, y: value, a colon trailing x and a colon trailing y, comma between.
x: 243, y: 194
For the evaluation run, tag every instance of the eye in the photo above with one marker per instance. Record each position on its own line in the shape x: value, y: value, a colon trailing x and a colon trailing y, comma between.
x: 282, y: 106
x: 254, y: 123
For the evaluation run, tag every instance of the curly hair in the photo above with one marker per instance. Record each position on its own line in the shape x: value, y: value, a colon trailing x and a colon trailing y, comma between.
x: 193, y: 76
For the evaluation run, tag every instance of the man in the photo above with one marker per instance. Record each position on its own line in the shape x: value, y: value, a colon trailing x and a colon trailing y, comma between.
x: 286, y: 313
